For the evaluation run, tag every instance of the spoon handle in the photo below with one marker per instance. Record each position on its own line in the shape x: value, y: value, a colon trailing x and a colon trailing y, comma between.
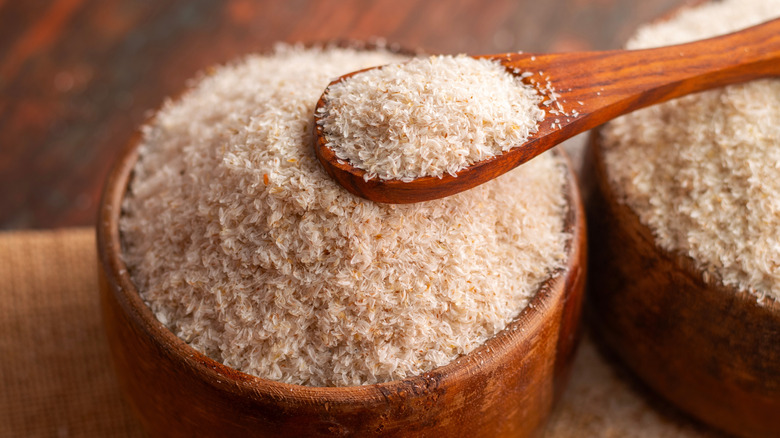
x: 605, y: 85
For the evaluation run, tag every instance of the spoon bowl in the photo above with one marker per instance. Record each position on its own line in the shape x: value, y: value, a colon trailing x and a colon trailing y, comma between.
x: 582, y: 90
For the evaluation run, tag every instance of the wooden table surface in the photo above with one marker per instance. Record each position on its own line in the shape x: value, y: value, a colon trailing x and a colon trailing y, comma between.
x: 78, y: 76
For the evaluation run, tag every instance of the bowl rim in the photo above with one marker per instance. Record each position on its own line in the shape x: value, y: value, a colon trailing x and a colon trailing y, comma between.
x: 225, y: 378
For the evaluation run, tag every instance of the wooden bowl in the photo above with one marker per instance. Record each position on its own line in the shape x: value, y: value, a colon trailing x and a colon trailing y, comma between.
x: 506, y: 387
x: 709, y: 349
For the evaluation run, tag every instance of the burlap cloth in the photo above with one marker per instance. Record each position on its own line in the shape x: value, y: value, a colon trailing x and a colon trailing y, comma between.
x: 56, y: 378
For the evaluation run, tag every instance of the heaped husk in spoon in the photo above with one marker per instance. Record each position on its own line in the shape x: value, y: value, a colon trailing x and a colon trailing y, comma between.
x: 593, y: 88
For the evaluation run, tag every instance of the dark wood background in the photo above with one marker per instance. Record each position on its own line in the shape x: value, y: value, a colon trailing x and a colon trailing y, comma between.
x: 78, y: 76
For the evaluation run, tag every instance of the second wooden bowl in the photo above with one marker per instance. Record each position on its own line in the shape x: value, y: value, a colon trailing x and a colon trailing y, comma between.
x: 709, y: 349
x: 505, y: 388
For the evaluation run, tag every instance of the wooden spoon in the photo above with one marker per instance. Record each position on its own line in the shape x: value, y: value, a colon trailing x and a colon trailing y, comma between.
x: 593, y: 87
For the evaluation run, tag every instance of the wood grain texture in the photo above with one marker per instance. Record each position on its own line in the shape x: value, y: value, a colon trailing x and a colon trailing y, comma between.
x: 593, y: 88
x: 78, y: 76
x: 707, y: 348
x: 505, y: 388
